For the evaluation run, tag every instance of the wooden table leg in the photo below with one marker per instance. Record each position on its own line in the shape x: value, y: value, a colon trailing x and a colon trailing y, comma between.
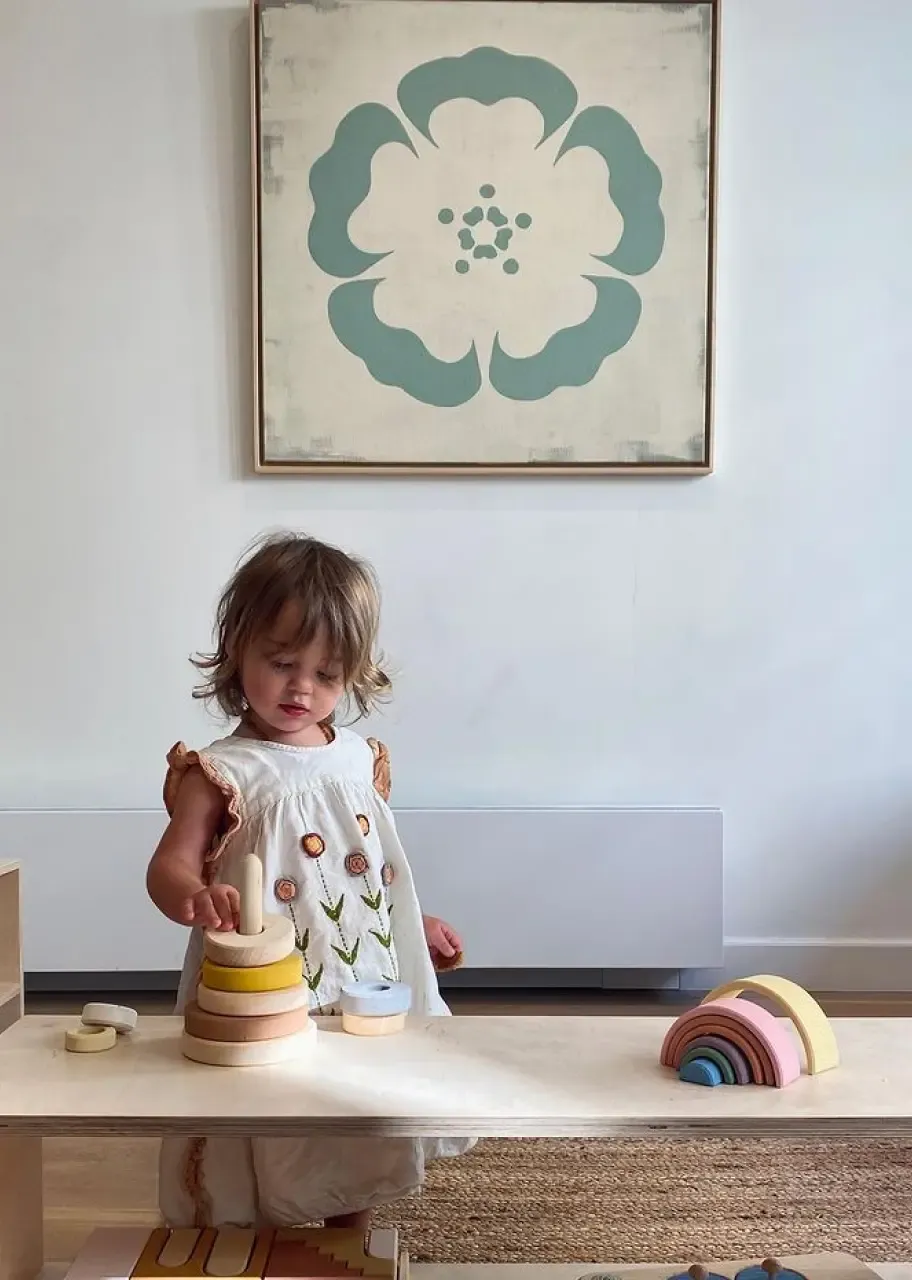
x: 21, y: 1207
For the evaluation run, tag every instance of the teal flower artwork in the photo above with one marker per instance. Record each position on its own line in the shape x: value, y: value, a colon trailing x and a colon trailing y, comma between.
x: 468, y: 257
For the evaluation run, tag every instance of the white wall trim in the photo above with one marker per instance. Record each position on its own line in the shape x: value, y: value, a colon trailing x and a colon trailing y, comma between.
x: 820, y: 964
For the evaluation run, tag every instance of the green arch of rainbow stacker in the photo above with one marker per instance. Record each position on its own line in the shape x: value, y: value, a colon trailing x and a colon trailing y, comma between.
x: 340, y: 180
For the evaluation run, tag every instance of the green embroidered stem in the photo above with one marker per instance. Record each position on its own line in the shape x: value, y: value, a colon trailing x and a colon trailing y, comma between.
x: 335, y: 912
x: 348, y: 957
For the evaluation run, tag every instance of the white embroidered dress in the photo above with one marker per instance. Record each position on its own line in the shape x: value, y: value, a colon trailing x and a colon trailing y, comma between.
x: 318, y: 819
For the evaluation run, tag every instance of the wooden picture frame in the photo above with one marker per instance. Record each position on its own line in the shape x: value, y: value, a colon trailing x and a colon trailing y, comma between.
x: 330, y: 402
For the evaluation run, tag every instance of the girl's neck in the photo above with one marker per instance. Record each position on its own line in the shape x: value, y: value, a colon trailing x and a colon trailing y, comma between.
x: 251, y: 726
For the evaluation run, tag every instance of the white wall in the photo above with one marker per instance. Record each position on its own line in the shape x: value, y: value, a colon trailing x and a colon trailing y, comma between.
x: 741, y: 641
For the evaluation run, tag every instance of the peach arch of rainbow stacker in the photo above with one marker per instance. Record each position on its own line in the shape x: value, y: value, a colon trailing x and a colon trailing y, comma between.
x: 725, y: 1040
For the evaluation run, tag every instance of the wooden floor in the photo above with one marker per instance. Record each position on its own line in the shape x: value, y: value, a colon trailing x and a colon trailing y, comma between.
x: 108, y: 1182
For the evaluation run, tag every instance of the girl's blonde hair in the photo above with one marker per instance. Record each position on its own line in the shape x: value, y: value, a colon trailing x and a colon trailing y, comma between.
x: 337, y: 597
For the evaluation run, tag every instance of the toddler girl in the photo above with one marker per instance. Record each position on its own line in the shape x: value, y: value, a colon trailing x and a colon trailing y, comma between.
x: 296, y: 633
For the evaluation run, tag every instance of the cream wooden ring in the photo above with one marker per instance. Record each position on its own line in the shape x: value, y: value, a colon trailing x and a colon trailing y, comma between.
x: 250, y: 950
x: 90, y: 1039
x: 118, y: 1016
x: 221, y: 1026
x: 246, y: 1004
x: 253, y: 1053
x: 266, y: 977
x: 357, y: 1024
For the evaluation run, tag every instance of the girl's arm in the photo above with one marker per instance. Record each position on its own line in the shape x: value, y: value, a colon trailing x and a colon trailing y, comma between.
x: 174, y: 879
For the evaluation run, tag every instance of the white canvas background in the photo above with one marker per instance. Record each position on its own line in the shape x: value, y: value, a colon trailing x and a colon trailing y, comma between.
x: 650, y: 62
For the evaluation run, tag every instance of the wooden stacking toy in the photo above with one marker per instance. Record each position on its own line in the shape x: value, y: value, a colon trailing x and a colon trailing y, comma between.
x: 294, y: 1253
x: 374, y: 1008
x: 252, y: 1004
x: 726, y: 1040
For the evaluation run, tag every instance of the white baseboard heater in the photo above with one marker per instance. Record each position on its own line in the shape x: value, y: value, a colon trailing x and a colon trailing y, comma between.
x: 530, y: 889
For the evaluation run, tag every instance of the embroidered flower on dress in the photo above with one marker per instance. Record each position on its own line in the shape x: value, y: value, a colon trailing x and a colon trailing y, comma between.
x: 387, y: 873
x: 356, y: 863
x: 286, y: 890
x: 313, y: 845
x: 364, y: 823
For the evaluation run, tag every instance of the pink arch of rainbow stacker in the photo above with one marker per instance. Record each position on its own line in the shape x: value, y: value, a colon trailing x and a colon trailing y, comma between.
x: 764, y: 1040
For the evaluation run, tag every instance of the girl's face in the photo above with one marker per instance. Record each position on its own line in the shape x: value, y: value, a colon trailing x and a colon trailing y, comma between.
x: 290, y: 691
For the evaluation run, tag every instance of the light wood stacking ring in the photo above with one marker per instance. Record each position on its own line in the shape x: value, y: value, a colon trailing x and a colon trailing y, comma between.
x: 90, y: 1039
x: 249, y: 1053
x: 266, y: 977
x: 247, y: 951
x: 359, y: 1024
x: 220, y: 1026
x: 247, y: 1004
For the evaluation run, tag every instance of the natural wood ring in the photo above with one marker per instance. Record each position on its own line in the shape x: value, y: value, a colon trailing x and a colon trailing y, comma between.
x: 246, y: 1004
x: 266, y: 977
x: 252, y: 1053
x: 357, y: 1024
x: 221, y: 1026
x: 247, y: 950
x: 90, y: 1039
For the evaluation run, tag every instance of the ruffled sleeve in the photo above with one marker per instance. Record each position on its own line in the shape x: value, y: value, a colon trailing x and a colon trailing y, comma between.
x: 382, y: 776
x: 180, y: 761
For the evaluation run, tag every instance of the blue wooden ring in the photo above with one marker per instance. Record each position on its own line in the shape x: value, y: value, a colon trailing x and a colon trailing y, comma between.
x: 376, y: 999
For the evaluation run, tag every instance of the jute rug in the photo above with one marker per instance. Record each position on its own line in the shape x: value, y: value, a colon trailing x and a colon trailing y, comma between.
x: 594, y: 1200
x: 543, y: 1200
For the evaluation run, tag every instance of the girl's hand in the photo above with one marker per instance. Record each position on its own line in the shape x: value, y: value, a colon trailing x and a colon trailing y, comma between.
x: 217, y: 907
x: 444, y: 943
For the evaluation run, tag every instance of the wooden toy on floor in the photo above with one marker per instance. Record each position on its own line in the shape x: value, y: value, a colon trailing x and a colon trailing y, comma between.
x: 252, y: 1006
x: 322, y: 1253
x: 726, y: 1040
x: 814, y: 1266
x: 374, y: 1008
x: 247, y: 1253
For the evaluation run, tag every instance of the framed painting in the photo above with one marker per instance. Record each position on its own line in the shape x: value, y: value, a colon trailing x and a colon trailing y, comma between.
x: 484, y: 235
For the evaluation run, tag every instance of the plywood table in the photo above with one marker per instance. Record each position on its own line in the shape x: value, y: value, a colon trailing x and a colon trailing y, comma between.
x: 485, y: 1076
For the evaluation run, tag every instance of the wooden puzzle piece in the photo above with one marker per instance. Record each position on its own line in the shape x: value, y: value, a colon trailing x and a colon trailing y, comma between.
x: 109, y: 1254
x: 321, y: 1253
x: 769, y: 1269
x: 240, y: 1252
x: 185, y: 1252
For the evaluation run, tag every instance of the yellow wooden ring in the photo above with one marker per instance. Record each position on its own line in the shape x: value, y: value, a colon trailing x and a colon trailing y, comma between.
x: 263, y: 977
x: 811, y: 1023
x: 90, y: 1039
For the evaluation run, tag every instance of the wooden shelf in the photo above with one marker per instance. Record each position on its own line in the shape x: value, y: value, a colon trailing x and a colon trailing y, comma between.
x: 539, y: 1076
x: 10, y: 946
